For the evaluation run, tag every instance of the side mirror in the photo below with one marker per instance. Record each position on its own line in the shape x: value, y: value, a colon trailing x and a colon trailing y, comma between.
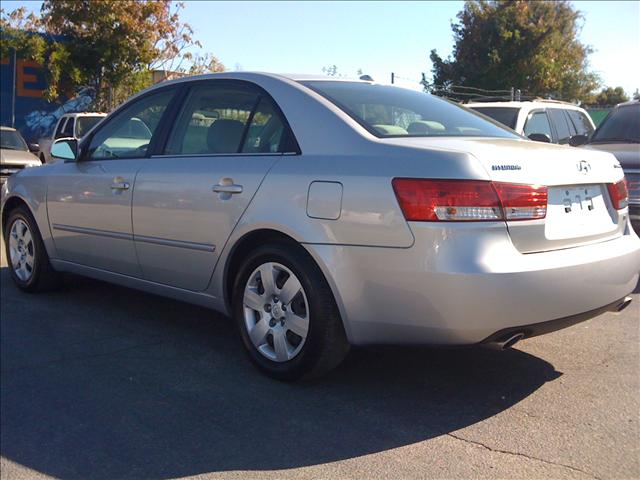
x: 65, y: 149
x: 34, y: 147
x: 577, y: 140
x: 540, y: 137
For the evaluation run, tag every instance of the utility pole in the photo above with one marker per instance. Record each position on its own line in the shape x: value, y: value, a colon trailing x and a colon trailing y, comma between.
x: 393, y: 78
x: 13, y: 88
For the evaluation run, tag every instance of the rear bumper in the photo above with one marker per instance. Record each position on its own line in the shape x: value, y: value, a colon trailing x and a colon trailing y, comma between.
x: 535, y: 329
x: 462, y: 284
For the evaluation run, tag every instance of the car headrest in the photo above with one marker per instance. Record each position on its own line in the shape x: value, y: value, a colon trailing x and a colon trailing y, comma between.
x: 223, y: 136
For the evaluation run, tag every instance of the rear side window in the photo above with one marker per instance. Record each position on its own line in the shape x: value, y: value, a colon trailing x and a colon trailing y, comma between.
x: 560, y: 121
x: 581, y: 122
x: 506, y: 115
x: 225, y: 118
x: 212, y: 121
x: 538, y: 122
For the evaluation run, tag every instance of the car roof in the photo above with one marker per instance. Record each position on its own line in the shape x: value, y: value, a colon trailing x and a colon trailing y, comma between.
x: 254, y: 76
x: 530, y: 104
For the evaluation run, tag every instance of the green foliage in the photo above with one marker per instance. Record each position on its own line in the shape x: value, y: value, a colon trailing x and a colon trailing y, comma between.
x: 530, y: 45
x: 608, y: 96
x: 109, y: 45
x: 17, y: 33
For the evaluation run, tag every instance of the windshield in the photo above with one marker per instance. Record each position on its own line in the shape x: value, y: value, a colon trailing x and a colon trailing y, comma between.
x: 621, y: 125
x: 506, y: 115
x: 84, y: 124
x: 388, y: 111
x: 12, y: 140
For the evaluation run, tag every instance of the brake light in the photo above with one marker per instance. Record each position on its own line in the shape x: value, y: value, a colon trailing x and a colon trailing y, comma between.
x: 425, y: 200
x: 619, y: 194
x: 522, y: 202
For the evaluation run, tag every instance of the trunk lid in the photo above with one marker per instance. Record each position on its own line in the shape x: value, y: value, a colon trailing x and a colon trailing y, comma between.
x: 579, y: 209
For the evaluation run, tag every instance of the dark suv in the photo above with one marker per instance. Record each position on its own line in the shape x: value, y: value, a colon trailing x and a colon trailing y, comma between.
x: 619, y: 133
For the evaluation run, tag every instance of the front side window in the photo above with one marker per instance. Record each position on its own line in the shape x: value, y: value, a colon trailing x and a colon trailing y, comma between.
x: 224, y: 119
x: 388, y: 111
x: 60, y: 128
x: 581, y: 122
x: 129, y: 133
x: 67, y: 131
x: 538, y: 122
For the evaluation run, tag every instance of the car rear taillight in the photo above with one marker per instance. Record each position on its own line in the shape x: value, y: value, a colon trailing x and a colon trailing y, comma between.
x: 522, y: 202
x: 619, y: 194
x: 423, y: 200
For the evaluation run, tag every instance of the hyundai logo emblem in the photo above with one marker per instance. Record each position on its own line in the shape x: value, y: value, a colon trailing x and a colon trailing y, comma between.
x: 584, y: 167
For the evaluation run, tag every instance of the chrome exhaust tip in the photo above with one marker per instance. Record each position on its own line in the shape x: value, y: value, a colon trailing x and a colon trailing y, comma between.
x: 623, y: 304
x: 508, y: 342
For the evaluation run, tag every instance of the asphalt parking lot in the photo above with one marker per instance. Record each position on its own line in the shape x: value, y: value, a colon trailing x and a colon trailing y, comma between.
x: 102, y: 382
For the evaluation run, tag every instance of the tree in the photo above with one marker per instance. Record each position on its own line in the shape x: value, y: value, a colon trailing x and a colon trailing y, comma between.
x: 529, y: 45
x: 109, y: 46
x: 608, y: 96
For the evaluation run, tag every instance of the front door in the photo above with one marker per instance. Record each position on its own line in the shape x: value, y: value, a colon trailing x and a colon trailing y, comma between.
x: 89, y: 201
x: 188, y: 200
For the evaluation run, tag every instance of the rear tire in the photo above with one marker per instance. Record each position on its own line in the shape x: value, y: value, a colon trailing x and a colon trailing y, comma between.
x: 27, y: 257
x: 290, y: 326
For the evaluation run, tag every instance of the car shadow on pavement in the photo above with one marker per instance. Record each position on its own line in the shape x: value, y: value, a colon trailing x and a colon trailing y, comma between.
x: 103, y: 382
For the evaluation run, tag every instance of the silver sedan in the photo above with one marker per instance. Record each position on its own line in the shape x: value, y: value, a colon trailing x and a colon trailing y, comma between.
x: 323, y: 213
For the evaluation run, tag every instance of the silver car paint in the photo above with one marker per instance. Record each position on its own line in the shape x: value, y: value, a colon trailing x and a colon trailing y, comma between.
x: 394, y: 282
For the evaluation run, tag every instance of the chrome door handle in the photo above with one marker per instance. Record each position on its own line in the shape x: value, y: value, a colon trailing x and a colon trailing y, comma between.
x: 231, y: 189
x: 120, y: 186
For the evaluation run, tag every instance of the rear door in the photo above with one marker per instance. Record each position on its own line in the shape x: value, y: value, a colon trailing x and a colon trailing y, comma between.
x: 188, y: 199
x: 89, y: 201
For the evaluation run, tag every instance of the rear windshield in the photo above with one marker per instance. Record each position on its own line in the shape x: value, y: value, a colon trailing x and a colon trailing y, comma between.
x: 85, y: 124
x: 506, y: 115
x: 621, y: 125
x: 388, y: 111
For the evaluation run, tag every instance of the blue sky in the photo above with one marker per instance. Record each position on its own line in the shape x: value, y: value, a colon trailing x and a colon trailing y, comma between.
x: 379, y: 37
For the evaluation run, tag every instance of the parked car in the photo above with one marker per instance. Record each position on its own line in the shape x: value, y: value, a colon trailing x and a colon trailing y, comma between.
x: 548, y: 121
x: 70, y: 125
x: 14, y: 153
x: 322, y: 213
x: 619, y: 133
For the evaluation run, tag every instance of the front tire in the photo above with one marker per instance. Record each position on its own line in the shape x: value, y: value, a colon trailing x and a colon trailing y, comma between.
x: 28, y: 260
x: 286, y: 314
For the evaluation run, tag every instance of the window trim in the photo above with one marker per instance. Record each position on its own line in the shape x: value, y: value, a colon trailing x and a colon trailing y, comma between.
x: 261, y: 94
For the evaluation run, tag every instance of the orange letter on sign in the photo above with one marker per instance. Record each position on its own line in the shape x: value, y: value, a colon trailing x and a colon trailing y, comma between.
x: 23, y: 78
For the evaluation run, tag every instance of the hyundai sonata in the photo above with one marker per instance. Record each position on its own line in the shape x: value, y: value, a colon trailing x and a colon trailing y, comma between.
x: 322, y: 213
